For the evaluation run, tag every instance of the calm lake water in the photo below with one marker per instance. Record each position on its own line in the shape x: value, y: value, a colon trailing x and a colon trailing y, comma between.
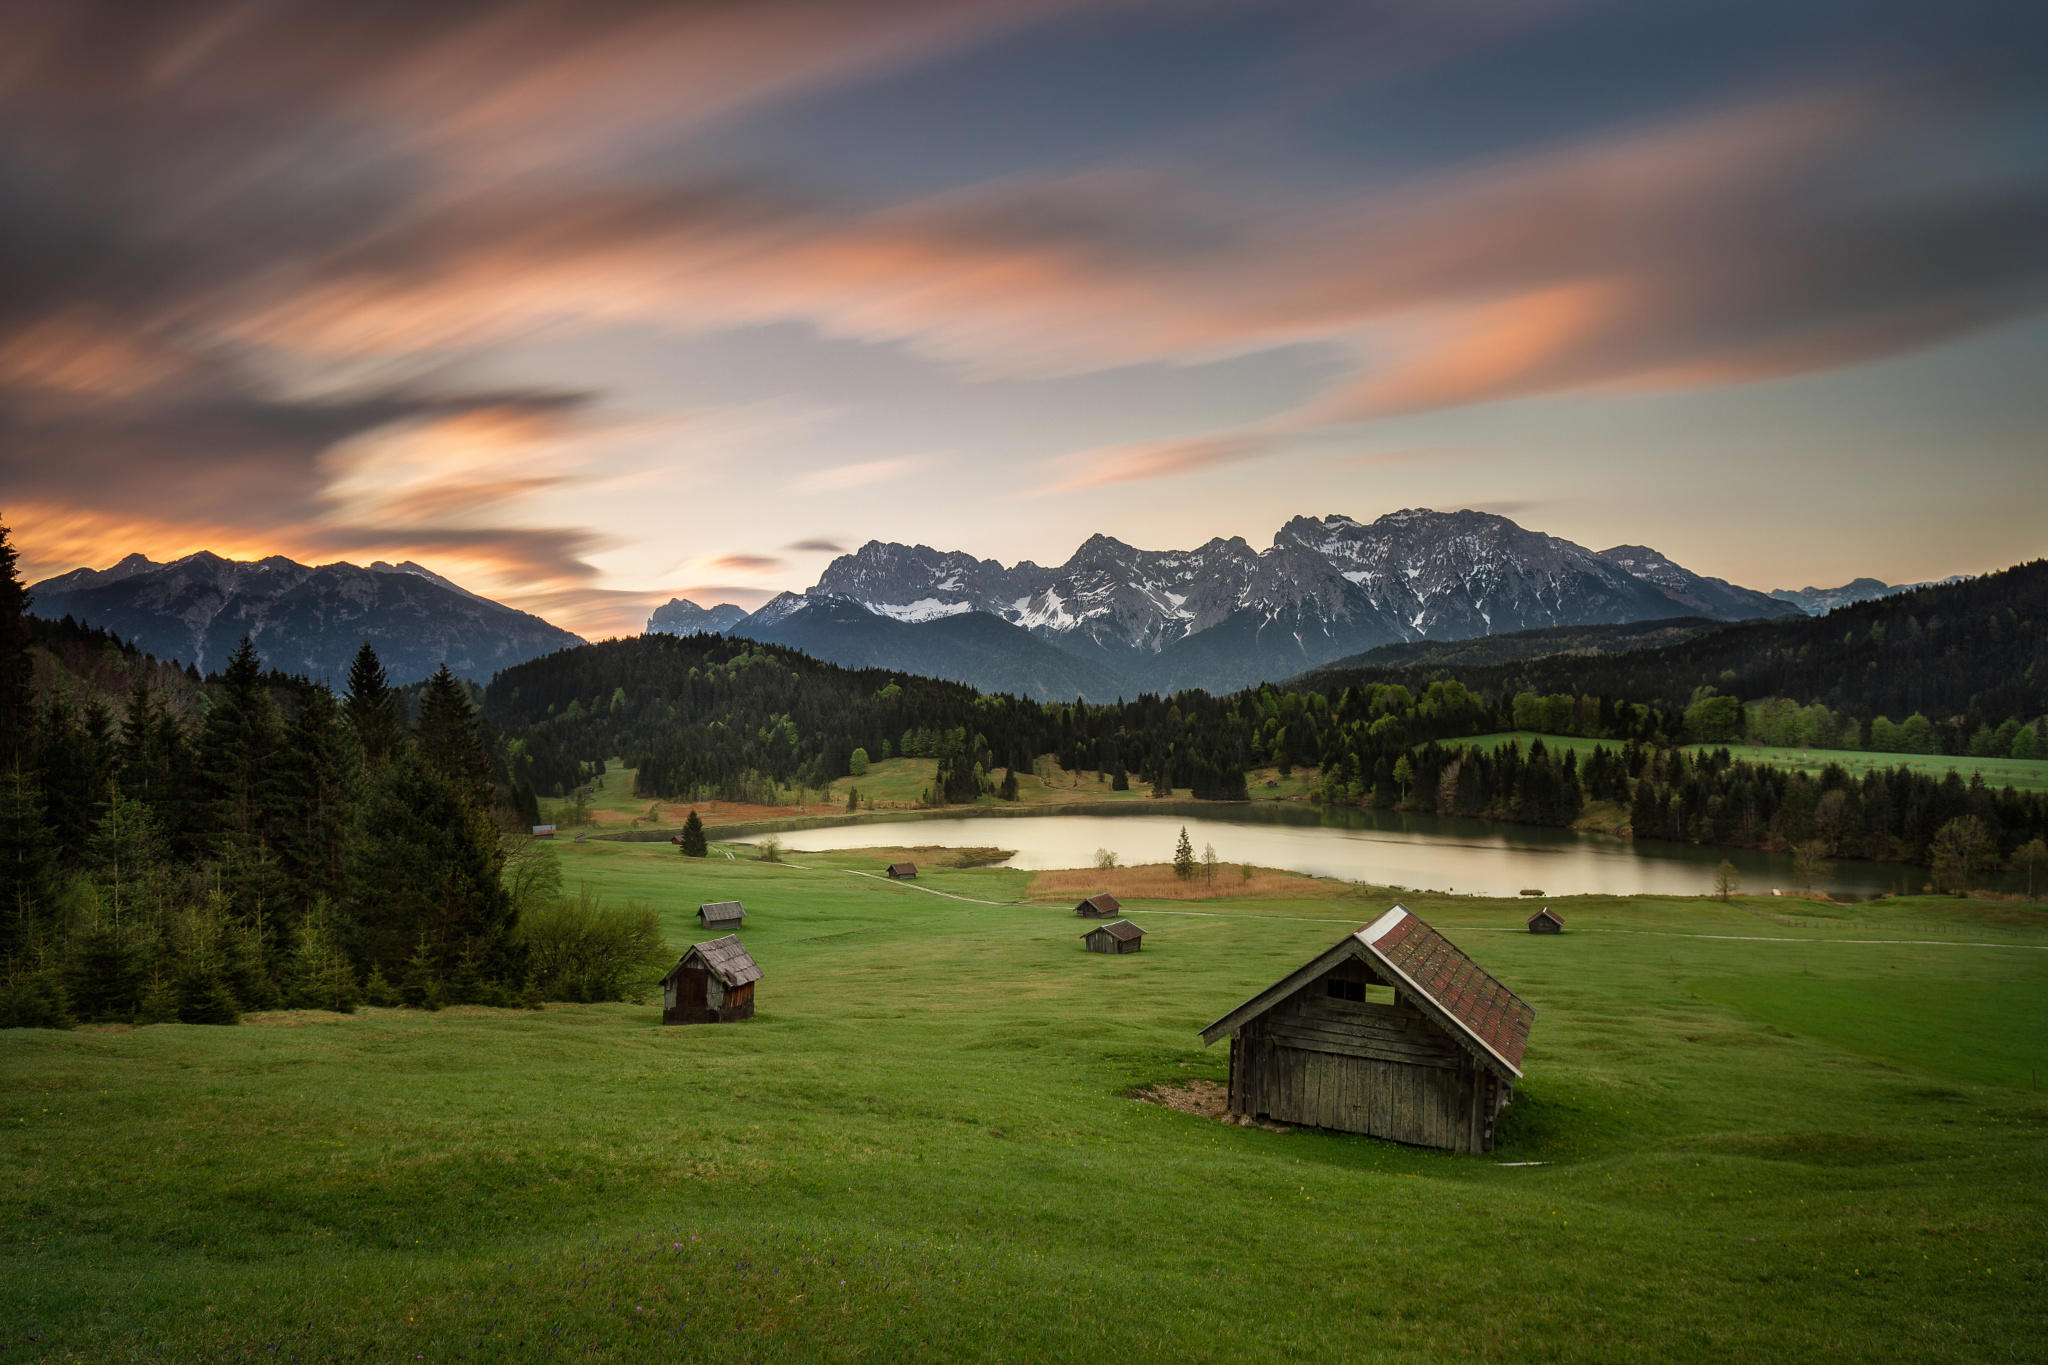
x: 1415, y: 852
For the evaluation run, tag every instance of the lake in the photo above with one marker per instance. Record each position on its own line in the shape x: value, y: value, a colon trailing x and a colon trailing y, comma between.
x: 1416, y: 852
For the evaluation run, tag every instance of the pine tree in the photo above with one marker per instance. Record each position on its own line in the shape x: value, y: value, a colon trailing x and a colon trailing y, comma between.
x: 451, y: 738
x: 241, y: 762
x: 314, y: 790
x: 28, y: 861
x: 421, y: 987
x: 17, y: 670
x: 379, y: 991
x: 1184, y: 856
x: 694, y: 843
x: 1008, y: 790
x: 372, y: 707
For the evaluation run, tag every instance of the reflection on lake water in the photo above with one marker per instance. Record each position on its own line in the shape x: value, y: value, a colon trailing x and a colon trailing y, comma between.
x: 1385, y: 848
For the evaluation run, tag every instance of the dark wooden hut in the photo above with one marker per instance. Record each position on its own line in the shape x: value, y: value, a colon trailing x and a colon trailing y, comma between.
x: 1119, y: 937
x: 715, y: 913
x: 1546, y: 921
x: 1103, y: 906
x: 903, y: 872
x: 1391, y: 1032
x: 713, y: 984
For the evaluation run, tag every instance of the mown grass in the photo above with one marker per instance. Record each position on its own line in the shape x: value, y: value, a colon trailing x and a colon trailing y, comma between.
x: 2026, y: 774
x: 922, y: 1147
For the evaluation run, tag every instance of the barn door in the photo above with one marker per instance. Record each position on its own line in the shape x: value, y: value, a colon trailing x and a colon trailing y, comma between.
x: 693, y: 991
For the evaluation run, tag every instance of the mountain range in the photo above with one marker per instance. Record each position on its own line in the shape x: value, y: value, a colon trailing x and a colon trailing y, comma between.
x: 302, y: 619
x: 1223, y: 615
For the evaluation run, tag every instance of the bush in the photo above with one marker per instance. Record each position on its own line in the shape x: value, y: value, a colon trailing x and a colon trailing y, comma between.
x: 581, y: 949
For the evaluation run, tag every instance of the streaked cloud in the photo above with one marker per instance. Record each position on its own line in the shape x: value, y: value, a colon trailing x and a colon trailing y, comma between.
x: 860, y: 474
x: 815, y: 547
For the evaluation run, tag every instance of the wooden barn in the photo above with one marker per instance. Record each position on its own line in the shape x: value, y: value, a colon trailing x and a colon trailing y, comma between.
x: 1546, y: 921
x: 543, y: 831
x: 1103, y: 906
x: 721, y: 912
x: 1392, y: 1032
x: 903, y: 872
x: 713, y: 984
x: 1120, y: 937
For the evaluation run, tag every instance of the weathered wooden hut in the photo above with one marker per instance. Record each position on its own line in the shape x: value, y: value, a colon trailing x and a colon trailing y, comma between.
x: 903, y: 872
x: 1391, y: 1032
x: 1103, y: 906
x: 1546, y: 921
x: 715, y: 913
x: 1119, y: 937
x: 543, y: 831
x: 713, y: 984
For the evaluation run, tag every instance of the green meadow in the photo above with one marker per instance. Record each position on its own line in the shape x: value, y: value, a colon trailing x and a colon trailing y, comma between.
x: 1742, y: 1135
x: 2025, y: 774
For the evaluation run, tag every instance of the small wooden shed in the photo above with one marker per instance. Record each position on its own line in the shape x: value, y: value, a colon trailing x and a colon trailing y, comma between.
x: 1103, y: 906
x: 1391, y: 1032
x: 1546, y: 921
x: 1119, y: 937
x: 715, y: 913
x: 543, y: 831
x: 903, y: 872
x: 713, y: 984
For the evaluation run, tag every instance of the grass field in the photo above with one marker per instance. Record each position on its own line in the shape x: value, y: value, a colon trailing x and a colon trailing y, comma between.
x: 1758, y: 1142
x: 2026, y: 774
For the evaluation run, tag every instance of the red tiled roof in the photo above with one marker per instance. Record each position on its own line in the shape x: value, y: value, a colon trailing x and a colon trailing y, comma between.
x: 1492, y: 1013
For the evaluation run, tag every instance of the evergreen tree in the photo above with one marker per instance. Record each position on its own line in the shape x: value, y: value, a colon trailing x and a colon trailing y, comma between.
x: 372, y: 707
x: 1008, y: 790
x: 1184, y: 856
x: 694, y: 843
x: 451, y: 738
x: 17, y: 670
x: 379, y: 991
x: 28, y: 861
x: 241, y: 761
x: 314, y: 789
x: 420, y: 988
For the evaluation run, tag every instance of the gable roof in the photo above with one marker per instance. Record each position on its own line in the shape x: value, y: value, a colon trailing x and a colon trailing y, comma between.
x: 1444, y: 983
x: 724, y: 958
x: 1123, y: 931
x: 719, y: 912
x: 903, y: 869
x: 1102, y: 901
x: 1547, y: 913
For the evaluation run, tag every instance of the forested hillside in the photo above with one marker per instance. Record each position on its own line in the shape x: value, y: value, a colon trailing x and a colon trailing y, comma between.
x: 1961, y: 654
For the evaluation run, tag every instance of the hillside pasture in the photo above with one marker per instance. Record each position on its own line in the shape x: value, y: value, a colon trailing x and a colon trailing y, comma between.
x: 925, y: 1145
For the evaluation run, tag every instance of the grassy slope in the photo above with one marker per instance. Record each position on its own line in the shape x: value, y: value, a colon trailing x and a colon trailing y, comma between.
x: 921, y: 1147
x: 2027, y: 774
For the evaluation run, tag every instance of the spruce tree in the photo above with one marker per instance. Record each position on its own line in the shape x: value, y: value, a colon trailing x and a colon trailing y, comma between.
x: 694, y: 843
x: 241, y: 762
x: 1184, y: 856
x: 28, y: 861
x: 372, y: 707
x: 17, y: 670
x: 451, y: 737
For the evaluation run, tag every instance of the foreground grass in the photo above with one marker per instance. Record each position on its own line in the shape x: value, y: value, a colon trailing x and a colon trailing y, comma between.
x: 1765, y: 1144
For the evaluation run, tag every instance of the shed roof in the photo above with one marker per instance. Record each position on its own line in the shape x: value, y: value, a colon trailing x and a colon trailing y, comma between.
x: 1123, y: 931
x: 903, y: 869
x: 725, y: 958
x: 718, y: 912
x: 1547, y: 913
x: 1103, y: 902
x: 1442, y: 981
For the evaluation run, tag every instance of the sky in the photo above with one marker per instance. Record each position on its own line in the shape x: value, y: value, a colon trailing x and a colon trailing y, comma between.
x: 590, y: 303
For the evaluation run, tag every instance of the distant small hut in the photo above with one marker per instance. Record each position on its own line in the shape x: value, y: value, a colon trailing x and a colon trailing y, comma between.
x: 715, y: 913
x: 1546, y: 921
x: 1103, y: 906
x: 1119, y: 937
x: 903, y: 872
x: 1392, y: 1032
x: 543, y: 831
x: 713, y: 984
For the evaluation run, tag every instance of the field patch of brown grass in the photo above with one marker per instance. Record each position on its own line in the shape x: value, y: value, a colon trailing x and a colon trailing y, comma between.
x: 1156, y: 881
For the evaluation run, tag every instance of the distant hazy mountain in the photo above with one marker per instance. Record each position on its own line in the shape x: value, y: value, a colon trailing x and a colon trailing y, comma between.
x: 681, y: 616
x: 302, y: 619
x: 1715, y: 597
x: 1223, y: 615
x: 1820, y: 601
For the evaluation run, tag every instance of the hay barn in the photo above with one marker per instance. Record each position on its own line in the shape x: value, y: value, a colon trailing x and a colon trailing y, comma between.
x: 543, y: 831
x: 1546, y: 921
x: 903, y: 872
x: 1104, y: 906
x: 1391, y: 1032
x: 1120, y: 937
x: 713, y: 984
x: 721, y: 912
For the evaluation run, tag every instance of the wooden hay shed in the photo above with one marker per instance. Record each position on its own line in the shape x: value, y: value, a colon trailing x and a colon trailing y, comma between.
x: 1102, y: 906
x: 713, y: 984
x: 903, y: 872
x: 716, y: 913
x: 543, y: 831
x: 1119, y: 937
x: 1546, y: 921
x: 1392, y: 1032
